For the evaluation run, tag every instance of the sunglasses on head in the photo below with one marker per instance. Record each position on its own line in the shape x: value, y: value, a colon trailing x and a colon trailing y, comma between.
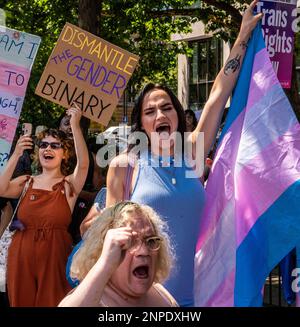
x: 53, y: 145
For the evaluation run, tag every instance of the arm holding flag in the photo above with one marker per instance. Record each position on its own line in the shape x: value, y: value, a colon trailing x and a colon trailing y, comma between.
x: 246, y: 222
x: 225, y: 82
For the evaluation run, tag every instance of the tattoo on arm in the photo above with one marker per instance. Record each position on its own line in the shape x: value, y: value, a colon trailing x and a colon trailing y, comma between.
x: 232, y: 65
x: 243, y: 45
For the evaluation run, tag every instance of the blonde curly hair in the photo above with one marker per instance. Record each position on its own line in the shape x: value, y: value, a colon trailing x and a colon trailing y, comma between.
x: 114, y: 217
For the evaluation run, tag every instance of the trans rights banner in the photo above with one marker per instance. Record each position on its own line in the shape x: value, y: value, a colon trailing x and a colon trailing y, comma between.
x: 251, y: 218
x: 86, y: 70
x: 279, y: 24
x: 17, y: 54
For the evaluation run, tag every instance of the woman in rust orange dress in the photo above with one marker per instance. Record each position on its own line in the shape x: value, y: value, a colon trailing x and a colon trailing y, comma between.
x: 38, y: 253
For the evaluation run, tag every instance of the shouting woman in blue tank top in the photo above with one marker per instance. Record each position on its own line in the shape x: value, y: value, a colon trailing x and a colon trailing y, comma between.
x: 165, y: 182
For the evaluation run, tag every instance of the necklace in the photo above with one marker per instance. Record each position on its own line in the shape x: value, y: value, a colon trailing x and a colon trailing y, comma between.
x: 166, y: 162
x: 169, y: 168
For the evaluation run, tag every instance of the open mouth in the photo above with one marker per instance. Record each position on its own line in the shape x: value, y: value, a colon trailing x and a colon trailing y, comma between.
x: 141, y: 272
x: 48, y: 156
x: 163, y: 130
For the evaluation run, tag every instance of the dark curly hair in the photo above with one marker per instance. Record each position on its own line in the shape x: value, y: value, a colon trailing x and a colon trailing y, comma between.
x: 67, y: 146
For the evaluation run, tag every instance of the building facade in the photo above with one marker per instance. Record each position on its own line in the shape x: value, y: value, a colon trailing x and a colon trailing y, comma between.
x: 197, y: 73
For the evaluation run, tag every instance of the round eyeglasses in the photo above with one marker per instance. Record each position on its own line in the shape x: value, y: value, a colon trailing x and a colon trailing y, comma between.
x: 152, y: 243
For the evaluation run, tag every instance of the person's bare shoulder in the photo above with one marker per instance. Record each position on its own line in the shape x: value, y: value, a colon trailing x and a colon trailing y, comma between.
x: 163, y: 297
x: 119, y: 165
x: 120, y: 161
x: 115, y: 179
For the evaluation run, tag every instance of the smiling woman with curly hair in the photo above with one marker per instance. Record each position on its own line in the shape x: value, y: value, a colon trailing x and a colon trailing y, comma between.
x: 39, y: 250
x: 67, y: 146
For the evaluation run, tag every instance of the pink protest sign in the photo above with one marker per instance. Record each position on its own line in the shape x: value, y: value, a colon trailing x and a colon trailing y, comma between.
x: 17, y: 54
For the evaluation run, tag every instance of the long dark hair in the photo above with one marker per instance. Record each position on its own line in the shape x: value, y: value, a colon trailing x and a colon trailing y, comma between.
x: 192, y: 113
x: 136, y: 116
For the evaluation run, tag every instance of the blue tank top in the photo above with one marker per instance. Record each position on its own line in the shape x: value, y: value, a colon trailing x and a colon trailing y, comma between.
x: 179, y: 201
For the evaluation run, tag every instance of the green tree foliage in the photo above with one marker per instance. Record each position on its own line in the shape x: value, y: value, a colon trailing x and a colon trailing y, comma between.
x: 143, y: 27
x: 46, y: 19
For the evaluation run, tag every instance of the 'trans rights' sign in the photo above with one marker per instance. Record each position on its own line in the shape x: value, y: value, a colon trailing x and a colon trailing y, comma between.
x: 87, y: 70
x: 278, y: 22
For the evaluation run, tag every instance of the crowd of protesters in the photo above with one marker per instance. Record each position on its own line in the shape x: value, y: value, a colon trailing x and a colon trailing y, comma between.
x: 152, y: 209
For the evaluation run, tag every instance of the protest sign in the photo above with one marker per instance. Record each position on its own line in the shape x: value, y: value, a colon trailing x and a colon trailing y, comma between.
x: 2, y: 18
x: 86, y: 70
x: 277, y: 24
x: 17, y: 54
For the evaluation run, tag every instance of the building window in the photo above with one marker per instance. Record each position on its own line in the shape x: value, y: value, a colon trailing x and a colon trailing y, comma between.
x: 204, y: 65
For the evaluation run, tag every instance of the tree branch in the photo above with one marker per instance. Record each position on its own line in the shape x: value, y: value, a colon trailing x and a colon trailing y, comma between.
x: 192, y: 12
x: 230, y: 10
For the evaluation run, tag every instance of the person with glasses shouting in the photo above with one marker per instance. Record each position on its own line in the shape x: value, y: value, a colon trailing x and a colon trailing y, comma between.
x: 125, y: 255
x: 39, y: 250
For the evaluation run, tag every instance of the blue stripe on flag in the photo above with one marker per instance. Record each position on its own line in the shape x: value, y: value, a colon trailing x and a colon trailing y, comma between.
x: 272, y: 237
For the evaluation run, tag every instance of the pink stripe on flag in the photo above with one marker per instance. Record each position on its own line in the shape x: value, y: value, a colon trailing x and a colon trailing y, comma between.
x: 13, y: 79
x: 259, y: 87
x: 211, y: 271
x: 223, y: 296
x: 213, y: 209
x: 255, y: 187
x: 263, y: 77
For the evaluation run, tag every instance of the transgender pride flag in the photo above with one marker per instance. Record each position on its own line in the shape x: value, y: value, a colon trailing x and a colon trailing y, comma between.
x: 252, y: 215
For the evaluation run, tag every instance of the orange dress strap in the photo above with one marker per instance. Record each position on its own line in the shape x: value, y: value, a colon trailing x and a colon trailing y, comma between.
x: 28, y: 177
x: 72, y: 190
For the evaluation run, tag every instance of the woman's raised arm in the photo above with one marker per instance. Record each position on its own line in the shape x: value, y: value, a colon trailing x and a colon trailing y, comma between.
x: 78, y: 177
x: 225, y: 81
